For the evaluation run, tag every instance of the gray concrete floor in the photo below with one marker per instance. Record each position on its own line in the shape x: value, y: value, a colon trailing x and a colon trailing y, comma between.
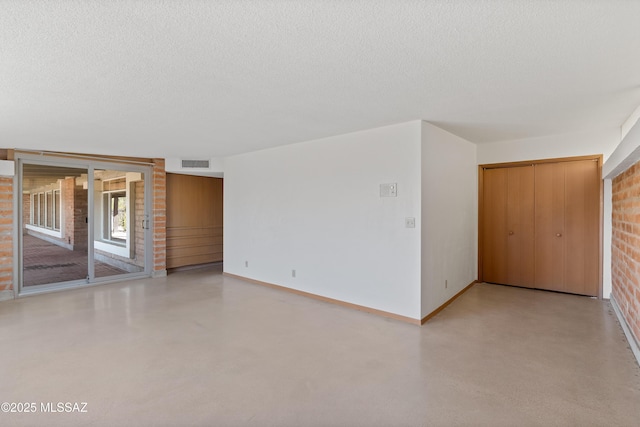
x: 200, y: 349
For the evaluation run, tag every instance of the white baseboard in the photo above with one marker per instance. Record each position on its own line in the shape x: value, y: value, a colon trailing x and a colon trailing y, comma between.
x: 635, y: 348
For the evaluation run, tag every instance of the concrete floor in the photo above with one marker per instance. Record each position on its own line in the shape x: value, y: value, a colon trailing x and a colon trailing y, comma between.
x: 196, y: 348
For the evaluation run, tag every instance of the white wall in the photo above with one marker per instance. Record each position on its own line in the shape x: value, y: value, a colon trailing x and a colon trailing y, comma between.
x: 630, y: 123
x: 449, y: 216
x: 555, y: 146
x: 315, y: 207
x: 577, y: 144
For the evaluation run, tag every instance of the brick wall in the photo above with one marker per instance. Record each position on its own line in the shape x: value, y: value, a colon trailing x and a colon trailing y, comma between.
x: 75, y: 206
x: 625, y: 247
x: 159, y: 214
x: 66, y: 195
x: 6, y: 234
x: 80, y: 214
x: 26, y: 211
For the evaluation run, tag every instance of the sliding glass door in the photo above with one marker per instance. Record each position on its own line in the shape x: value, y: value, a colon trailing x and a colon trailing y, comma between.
x: 120, y: 222
x: 81, y: 222
x: 54, y: 225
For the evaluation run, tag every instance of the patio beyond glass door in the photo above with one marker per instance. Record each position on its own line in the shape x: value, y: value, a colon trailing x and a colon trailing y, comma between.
x: 81, y: 225
x: 54, y: 225
x: 120, y: 222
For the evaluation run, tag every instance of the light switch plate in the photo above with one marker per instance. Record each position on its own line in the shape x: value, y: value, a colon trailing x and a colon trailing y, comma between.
x: 410, y: 222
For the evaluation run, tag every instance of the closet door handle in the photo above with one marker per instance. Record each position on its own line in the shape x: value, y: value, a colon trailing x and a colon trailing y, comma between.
x: 511, y: 233
x: 559, y: 235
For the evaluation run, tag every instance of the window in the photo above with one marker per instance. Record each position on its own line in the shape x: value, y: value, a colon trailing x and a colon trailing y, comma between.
x: 45, y: 209
x: 41, y: 210
x: 115, y: 210
x: 56, y: 210
x: 48, y: 220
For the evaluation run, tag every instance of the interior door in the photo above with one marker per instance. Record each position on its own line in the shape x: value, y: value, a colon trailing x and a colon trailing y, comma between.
x: 508, y: 219
x: 495, y: 226
x: 567, y: 226
x: 520, y: 225
x: 550, y: 234
x: 581, y: 228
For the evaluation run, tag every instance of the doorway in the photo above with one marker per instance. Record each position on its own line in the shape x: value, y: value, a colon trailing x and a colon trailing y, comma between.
x: 81, y: 222
x: 194, y: 220
x: 540, y: 224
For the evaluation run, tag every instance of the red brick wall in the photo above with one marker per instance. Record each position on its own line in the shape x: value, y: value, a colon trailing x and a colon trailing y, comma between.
x: 625, y: 247
x: 6, y: 234
x: 80, y: 213
x: 159, y: 217
x: 75, y: 205
x: 26, y: 211
x: 66, y: 196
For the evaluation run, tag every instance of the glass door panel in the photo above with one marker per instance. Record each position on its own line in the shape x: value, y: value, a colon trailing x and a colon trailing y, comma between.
x: 119, y: 222
x: 55, y: 214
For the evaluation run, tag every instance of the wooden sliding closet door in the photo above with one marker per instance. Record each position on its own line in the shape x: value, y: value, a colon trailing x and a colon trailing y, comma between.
x: 494, y: 263
x: 521, y: 226
x: 541, y: 225
x: 582, y: 227
x: 509, y: 226
x: 549, y: 208
x: 567, y: 204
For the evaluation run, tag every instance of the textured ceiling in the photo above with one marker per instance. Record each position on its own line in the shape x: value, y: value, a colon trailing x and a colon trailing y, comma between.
x: 196, y: 78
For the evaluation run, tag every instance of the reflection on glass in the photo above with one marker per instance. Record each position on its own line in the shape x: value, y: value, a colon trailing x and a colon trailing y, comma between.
x: 54, y: 227
x: 118, y: 228
x: 56, y: 221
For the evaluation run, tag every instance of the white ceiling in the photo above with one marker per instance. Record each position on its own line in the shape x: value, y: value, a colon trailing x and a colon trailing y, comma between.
x: 205, y: 78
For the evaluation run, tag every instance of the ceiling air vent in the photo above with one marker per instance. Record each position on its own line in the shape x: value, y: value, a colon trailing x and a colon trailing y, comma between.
x: 200, y: 164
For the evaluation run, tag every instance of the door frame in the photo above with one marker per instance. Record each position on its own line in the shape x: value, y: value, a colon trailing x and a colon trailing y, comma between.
x: 483, y: 167
x: 90, y: 163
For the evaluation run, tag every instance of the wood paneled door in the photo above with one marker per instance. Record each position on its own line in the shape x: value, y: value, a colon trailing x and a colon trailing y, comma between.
x: 540, y: 224
x: 509, y: 224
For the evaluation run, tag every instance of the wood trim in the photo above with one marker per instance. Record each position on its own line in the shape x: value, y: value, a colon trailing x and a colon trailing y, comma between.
x: 597, y: 157
x: 481, y: 169
x: 446, y: 304
x: 601, y: 234
x: 329, y: 300
x: 480, y: 274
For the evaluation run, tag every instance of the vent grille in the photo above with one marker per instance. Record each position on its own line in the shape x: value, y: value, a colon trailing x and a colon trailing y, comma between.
x: 202, y: 164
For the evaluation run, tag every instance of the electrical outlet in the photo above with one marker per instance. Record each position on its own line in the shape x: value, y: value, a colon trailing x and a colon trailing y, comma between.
x: 410, y: 222
x: 246, y: 263
x: 446, y: 284
x: 293, y: 273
